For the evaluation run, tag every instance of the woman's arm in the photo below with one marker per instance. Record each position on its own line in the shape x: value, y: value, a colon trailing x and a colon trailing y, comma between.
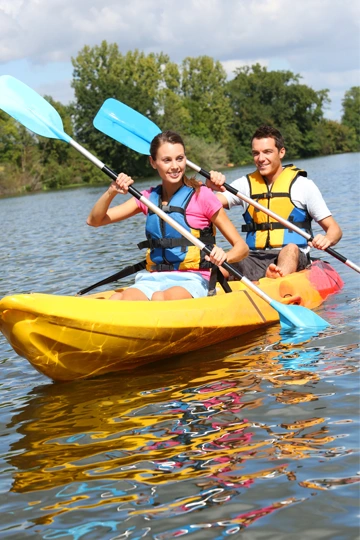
x: 240, y: 249
x: 101, y: 214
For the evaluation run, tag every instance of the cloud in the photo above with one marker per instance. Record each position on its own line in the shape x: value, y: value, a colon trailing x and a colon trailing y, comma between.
x: 55, y: 30
x: 313, y: 36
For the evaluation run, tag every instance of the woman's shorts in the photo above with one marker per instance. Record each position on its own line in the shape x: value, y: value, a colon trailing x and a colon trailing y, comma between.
x: 150, y: 282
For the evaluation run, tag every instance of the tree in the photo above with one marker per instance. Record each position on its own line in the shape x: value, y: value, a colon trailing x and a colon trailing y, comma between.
x: 194, y: 103
x: 351, y: 112
x: 101, y: 72
x: 334, y: 138
x: 20, y: 151
x: 259, y: 96
x: 203, y: 89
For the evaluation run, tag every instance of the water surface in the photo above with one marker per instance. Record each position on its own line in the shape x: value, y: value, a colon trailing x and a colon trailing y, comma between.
x: 256, y: 436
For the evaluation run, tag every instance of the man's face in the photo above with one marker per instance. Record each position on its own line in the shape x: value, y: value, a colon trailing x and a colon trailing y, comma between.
x: 267, y: 157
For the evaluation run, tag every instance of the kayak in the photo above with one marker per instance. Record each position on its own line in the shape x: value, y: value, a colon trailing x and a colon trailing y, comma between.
x: 73, y: 337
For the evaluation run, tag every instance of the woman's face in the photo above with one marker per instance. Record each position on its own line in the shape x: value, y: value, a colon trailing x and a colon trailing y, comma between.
x: 170, y: 162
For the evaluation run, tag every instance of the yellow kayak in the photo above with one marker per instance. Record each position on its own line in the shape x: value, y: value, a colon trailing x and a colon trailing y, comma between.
x: 72, y: 337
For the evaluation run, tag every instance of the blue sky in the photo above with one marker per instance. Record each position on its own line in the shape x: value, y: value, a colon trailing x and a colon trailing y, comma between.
x: 317, y: 39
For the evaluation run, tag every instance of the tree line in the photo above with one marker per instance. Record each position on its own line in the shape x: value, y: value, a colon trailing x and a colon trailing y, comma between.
x: 216, y: 117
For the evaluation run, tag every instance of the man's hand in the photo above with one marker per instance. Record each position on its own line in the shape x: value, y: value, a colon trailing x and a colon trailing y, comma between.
x: 320, y: 242
x: 216, y: 181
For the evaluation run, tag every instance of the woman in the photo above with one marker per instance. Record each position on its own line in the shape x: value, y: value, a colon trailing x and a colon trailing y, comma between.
x: 176, y: 269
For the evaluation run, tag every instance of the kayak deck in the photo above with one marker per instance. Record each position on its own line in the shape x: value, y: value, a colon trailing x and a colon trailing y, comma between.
x: 68, y: 338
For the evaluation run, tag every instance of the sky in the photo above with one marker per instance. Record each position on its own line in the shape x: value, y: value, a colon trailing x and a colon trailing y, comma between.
x: 317, y: 39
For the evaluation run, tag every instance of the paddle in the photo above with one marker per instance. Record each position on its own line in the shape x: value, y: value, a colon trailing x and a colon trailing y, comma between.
x: 131, y: 128
x: 35, y: 113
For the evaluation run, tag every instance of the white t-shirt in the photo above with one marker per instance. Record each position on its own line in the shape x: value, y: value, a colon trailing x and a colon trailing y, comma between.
x: 304, y: 194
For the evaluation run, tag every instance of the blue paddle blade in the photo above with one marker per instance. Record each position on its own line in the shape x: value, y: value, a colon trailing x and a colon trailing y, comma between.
x: 298, y: 317
x: 126, y: 126
x: 30, y: 109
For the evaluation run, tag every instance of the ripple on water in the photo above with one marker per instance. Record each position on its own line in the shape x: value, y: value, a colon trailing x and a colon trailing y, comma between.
x: 259, y: 433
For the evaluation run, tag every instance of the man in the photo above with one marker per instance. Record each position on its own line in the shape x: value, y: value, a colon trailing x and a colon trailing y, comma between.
x: 275, y: 250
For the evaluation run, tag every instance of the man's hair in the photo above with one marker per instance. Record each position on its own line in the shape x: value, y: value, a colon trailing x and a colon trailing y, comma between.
x: 265, y: 132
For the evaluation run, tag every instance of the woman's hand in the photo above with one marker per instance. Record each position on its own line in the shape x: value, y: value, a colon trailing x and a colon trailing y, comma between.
x: 217, y: 256
x: 121, y: 184
x: 102, y: 214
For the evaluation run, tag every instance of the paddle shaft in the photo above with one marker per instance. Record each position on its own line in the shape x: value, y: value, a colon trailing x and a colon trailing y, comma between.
x: 281, y: 220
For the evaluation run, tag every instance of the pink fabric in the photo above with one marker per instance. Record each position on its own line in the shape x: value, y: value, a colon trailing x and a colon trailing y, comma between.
x: 199, y: 212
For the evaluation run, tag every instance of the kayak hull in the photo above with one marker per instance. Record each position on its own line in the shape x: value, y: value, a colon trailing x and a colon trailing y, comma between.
x: 68, y: 338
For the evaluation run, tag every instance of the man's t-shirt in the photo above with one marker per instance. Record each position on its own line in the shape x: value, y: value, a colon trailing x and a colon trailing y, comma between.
x: 304, y: 194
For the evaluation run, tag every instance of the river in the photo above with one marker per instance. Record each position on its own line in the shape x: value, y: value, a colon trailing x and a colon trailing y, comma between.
x: 253, y: 437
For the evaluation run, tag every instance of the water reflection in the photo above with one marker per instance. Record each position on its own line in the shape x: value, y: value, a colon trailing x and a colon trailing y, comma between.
x: 257, y: 433
x: 149, y: 454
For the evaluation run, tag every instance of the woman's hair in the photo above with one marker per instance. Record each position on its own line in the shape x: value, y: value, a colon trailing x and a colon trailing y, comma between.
x: 269, y: 132
x: 173, y: 138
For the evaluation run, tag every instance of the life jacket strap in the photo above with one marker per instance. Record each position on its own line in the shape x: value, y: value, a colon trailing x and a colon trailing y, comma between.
x: 166, y: 243
x: 204, y: 265
x: 251, y: 227
x: 215, y: 277
x: 168, y: 209
x: 268, y: 195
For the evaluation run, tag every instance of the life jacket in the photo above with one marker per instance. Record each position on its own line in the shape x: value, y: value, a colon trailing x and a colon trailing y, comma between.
x: 263, y: 231
x: 167, y: 248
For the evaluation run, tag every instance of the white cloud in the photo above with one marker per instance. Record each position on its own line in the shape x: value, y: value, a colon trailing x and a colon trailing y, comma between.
x: 319, y: 38
x: 231, y: 65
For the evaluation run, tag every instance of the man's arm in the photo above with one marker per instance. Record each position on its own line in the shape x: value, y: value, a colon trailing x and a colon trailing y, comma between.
x: 227, y: 199
x: 223, y: 200
x: 332, y: 236
x: 309, y: 196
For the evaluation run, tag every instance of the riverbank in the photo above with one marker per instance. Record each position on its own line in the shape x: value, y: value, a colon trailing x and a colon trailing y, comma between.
x: 16, y: 185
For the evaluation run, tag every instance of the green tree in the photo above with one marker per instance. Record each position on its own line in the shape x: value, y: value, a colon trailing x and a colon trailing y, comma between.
x: 351, y: 112
x: 193, y: 102
x: 259, y: 96
x: 20, y: 151
x: 102, y: 72
x: 203, y: 90
x: 334, y: 138
x: 63, y: 165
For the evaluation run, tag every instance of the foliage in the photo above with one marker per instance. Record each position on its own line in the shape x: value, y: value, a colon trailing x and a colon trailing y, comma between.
x: 101, y: 72
x: 216, y: 117
x: 334, y: 138
x: 212, y: 154
x: 351, y: 113
x: 194, y: 100
x: 277, y: 98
